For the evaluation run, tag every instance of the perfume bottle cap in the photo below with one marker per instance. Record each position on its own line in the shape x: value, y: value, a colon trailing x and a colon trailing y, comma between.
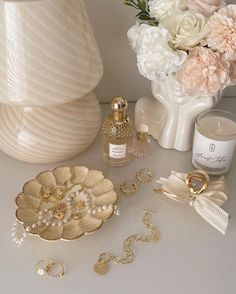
x: 119, y: 106
x: 143, y: 128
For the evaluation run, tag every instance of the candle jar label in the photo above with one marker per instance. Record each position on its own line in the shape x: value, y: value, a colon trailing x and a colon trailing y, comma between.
x: 211, y: 155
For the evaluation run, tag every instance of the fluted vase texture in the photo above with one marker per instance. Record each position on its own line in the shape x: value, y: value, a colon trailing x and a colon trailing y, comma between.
x: 49, y: 66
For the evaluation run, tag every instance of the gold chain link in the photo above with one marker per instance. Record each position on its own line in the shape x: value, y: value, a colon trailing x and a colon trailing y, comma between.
x: 101, y: 266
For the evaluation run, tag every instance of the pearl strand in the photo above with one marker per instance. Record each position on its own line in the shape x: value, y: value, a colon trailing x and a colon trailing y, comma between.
x: 15, y: 232
x: 101, y: 208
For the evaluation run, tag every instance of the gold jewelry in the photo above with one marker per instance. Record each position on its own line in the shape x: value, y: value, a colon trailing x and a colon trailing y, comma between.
x: 43, y: 266
x: 144, y: 175
x: 197, y: 181
x: 56, y: 270
x: 49, y: 267
x: 101, y: 267
x: 126, y: 191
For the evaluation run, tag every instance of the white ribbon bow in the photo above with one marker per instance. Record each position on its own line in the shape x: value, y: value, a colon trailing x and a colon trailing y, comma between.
x: 207, y: 204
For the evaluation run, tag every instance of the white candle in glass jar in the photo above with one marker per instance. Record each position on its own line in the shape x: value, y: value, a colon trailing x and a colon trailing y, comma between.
x: 214, y: 141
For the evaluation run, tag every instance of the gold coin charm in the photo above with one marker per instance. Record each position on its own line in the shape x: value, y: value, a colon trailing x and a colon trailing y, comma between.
x: 80, y: 205
x: 101, y: 267
x: 47, y: 193
x: 60, y: 211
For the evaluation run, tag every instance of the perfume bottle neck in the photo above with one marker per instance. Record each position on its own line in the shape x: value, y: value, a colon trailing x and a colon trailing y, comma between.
x: 118, y: 116
x: 141, y: 136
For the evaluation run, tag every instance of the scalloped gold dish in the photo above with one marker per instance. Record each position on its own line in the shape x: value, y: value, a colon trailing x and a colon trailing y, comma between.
x: 66, y: 203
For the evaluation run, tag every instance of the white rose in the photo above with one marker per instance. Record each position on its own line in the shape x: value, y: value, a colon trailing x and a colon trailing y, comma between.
x: 187, y: 29
x: 133, y: 36
x: 155, y: 57
x: 162, y: 8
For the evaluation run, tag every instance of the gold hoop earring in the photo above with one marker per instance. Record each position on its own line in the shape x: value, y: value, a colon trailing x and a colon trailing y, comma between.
x: 56, y: 270
x: 49, y: 267
x: 43, y: 266
x: 144, y: 175
x: 128, y: 192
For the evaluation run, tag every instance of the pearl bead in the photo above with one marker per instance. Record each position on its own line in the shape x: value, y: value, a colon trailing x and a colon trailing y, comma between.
x: 110, y: 206
x: 191, y: 203
x: 53, y: 224
x: 40, y: 272
x: 28, y: 229
x: 48, y: 224
x: 34, y: 226
x: 104, y: 207
x: 13, y: 234
x: 89, y: 210
x: 41, y: 213
x: 65, y: 221
x: 44, y: 221
x: 40, y: 217
x: 99, y: 209
x: 45, y: 210
x: 94, y: 212
x: 60, y: 223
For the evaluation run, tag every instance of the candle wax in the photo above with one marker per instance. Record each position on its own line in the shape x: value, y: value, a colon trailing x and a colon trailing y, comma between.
x: 217, y: 126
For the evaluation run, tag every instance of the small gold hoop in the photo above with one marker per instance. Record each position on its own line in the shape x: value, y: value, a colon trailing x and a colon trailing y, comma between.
x: 200, y: 177
x: 60, y: 272
x: 124, y: 188
x: 144, y: 175
x: 43, y: 266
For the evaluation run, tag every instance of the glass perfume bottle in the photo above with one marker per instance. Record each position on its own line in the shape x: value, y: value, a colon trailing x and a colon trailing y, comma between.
x: 117, y: 134
x: 142, y: 143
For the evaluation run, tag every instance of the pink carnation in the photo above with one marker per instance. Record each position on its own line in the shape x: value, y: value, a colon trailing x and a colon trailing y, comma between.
x: 233, y: 73
x: 222, y: 36
x: 204, y: 72
x: 206, y: 7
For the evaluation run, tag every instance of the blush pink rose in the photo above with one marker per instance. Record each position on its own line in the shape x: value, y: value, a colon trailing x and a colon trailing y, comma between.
x: 206, y: 7
x: 233, y: 73
x: 204, y: 72
x: 222, y: 31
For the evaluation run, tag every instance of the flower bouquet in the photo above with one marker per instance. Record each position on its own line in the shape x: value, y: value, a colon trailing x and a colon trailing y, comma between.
x: 194, y: 39
x: 187, y: 48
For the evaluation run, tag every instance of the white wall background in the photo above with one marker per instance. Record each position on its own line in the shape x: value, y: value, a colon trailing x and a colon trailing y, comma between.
x: 110, y: 20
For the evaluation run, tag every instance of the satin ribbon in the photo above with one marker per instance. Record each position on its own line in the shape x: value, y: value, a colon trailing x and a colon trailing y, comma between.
x: 207, y: 203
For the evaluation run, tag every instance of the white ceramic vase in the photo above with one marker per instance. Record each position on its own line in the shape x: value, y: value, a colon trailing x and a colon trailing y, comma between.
x: 49, y: 64
x: 170, y: 115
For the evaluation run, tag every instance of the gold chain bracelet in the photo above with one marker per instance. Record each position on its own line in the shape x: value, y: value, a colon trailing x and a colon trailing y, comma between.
x: 101, y: 267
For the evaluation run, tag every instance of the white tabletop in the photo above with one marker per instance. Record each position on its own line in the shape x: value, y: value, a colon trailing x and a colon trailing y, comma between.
x: 191, y: 256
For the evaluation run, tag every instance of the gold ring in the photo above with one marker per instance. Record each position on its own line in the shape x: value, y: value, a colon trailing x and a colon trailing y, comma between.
x: 197, y: 181
x: 124, y: 189
x: 144, y: 175
x: 56, y: 270
x: 43, y: 266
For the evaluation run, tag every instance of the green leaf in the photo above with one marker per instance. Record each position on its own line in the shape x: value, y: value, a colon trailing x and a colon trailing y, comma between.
x: 130, y: 4
x: 142, y: 5
x: 144, y: 17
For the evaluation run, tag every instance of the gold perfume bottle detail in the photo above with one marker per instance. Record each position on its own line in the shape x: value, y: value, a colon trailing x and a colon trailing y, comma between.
x: 117, y: 134
x: 142, y: 143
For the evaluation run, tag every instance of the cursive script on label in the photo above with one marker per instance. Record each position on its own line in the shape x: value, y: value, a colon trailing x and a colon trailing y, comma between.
x: 210, y: 159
